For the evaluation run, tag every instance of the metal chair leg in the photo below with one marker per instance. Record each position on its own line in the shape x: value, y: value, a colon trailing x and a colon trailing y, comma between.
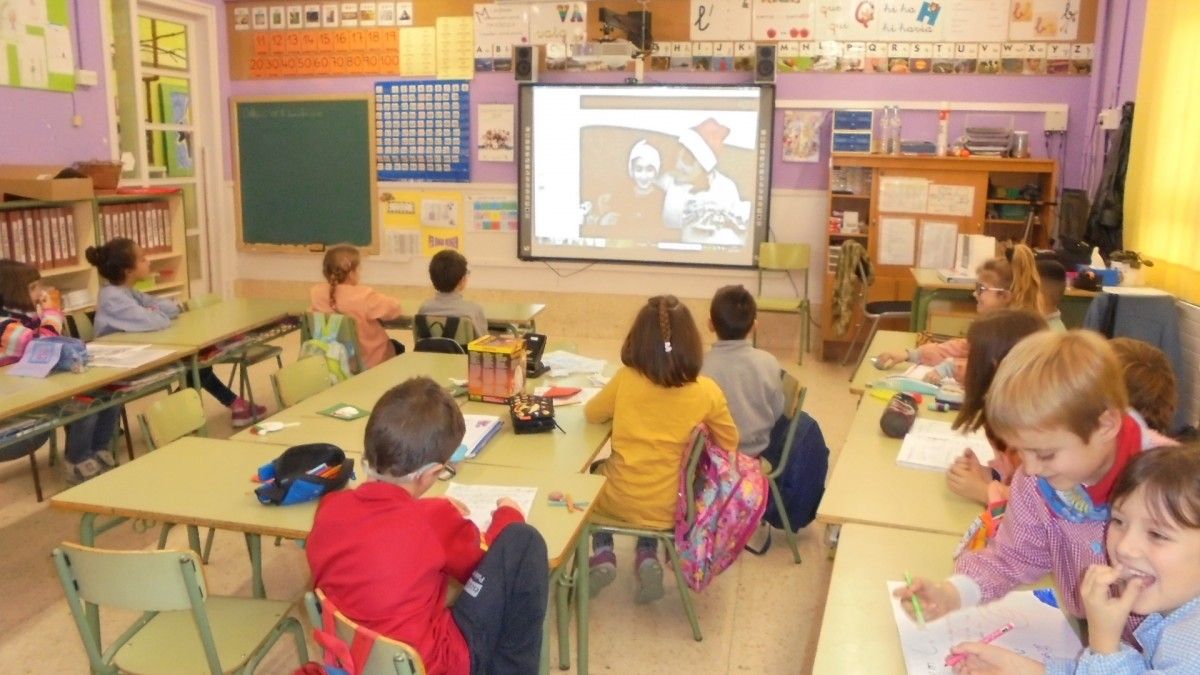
x: 37, y: 480
x: 857, y: 330
x: 128, y: 430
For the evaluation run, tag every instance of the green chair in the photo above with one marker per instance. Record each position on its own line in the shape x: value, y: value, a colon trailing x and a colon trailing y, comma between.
x: 387, y: 656
x: 347, y: 336
x: 166, y: 420
x: 182, y: 628
x: 80, y: 325
x: 786, y: 258
x: 240, y: 360
x: 297, y: 381
x: 793, y: 396
x: 666, y: 536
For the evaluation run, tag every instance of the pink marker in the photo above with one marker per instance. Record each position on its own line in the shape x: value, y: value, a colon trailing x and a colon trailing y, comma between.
x: 955, y: 659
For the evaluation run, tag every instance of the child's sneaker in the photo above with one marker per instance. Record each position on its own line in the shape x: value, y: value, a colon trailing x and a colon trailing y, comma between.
x: 243, y: 416
x: 650, y: 576
x: 602, y: 569
x: 106, y: 459
x: 78, y: 472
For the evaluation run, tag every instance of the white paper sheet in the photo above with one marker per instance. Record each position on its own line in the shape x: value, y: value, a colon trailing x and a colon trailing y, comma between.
x: 1039, y: 631
x: 481, y: 500
x: 951, y: 200
x: 567, y: 363
x: 906, y: 195
x: 939, y: 243
x: 720, y: 20
x: 123, y: 356
x: 933, y: 445
x: 897, y: 239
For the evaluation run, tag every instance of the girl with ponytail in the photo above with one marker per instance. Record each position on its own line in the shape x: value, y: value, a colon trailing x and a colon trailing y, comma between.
x: 342, y: 293
x: 654, y: 402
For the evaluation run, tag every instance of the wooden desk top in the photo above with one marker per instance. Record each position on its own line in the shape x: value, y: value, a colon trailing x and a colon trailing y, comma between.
x: 549, y: 451
x: 928, y: 279
x: 867, y: 486
x: 20, y: 395
x: 218, y: 492
x: 858, y: 633
x: 496, y: 312
x: 885, y: 341
x: 210, y: 325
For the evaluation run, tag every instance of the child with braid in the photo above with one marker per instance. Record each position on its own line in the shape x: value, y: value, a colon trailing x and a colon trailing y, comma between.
x: 654, y: 403
x: 342, y: 294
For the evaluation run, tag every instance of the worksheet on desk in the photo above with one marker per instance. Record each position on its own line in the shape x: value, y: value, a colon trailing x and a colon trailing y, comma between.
x: 933, y: 445
x: 1039, y: 631
x: 480, y: 500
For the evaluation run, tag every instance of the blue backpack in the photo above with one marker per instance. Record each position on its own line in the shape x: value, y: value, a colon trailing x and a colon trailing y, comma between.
x: 802, y: 484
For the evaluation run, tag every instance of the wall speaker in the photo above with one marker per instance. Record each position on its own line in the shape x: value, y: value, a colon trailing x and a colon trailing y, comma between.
x: 764, y: 63
x: 525, y: 63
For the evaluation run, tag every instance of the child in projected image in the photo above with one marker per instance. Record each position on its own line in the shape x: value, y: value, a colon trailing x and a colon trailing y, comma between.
x: 700, y: 200
x: 635, y: 211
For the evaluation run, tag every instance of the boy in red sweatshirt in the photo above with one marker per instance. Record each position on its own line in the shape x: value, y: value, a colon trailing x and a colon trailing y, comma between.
x: 383, y: 556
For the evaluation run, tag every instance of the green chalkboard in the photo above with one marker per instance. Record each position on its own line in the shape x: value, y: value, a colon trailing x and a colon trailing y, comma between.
x: 305, y: 172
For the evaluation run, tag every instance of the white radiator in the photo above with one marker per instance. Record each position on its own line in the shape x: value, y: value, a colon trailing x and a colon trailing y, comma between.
x: 1189, y: 338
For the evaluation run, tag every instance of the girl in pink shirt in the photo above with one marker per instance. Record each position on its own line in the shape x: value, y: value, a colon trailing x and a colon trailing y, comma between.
x: 342, y: 294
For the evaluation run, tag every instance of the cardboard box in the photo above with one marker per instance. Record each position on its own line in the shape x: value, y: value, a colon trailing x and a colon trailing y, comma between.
x: 33, y: 181
x: 496, y: 368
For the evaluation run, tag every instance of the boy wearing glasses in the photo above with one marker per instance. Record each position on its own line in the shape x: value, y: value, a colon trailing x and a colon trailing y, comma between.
x: 383, y: 556
x: 1000, y: 283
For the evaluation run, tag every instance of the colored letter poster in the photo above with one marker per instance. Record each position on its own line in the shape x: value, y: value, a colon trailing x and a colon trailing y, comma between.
x: 422, y: 130
x: 495, y: 142
x: 563, y: 22
x: 1044, y: 20
x: 497, y: 28
x: 721, y: 20
x: 783, y: 20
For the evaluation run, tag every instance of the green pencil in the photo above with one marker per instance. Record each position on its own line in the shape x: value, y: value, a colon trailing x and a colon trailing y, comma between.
x: 916, y: 602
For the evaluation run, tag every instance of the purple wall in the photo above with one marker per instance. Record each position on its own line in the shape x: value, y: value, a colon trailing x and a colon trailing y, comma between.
x: 35, y: 125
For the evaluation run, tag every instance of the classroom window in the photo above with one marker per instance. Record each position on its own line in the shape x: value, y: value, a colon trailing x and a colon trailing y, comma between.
x: 162, y: 44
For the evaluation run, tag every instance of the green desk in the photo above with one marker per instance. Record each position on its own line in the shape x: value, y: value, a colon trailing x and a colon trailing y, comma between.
x: 550, y: 451
x: 206, y: 482
x: 209, y: 326
x: 51, y: 398
x: 858, y: 633
x: 500, y: 315
x: 884, y: 341
x: 867, y: 486
x: 930, y: 285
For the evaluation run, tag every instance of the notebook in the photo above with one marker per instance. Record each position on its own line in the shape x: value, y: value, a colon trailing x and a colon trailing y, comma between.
x: 480, y: 429
x: 933, y: 445
x: 480, y: 500
x: 1040, y: 631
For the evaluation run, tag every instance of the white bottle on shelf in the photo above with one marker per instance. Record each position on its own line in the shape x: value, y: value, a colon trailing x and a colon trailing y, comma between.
x: 894, y: 132
x: 943, y: 134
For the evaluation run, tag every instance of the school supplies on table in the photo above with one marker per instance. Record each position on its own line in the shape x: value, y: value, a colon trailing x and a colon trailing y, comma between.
x: 303, y: 473
x: 531, y: 414
x: 563, y: 396
x: 1038, y: 631
x: 271, y: 426
x: 905, y: 384
x: 344, y: 411
x: 899, y: 416
x: 39, y: 359
x: 480, y: 430
x: 567, y: 363
x: 112, y: 355
x: 955, y: 659
x: 933, y: 445
x: 480, y: 500
x: 916, y: 602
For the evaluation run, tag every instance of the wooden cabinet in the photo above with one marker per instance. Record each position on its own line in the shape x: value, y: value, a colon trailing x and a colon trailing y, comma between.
x: 156, y: 223
x: 53, y: 236
x: 900, y: 195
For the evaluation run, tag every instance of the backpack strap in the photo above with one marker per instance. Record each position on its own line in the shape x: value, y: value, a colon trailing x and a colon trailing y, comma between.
x: 332, y: 326
x: 318, y: 325
x: 353, y: 657
x: 421, y: 322
x: 450, y: 329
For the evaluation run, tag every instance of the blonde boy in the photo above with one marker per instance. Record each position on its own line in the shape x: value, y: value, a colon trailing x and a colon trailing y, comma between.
x: 1059, y: 400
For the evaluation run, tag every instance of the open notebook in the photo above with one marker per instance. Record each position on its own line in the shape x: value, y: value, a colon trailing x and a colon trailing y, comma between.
x: 933, y: 445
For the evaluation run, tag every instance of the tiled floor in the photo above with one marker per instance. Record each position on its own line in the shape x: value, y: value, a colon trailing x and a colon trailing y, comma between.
x: 760, y: 616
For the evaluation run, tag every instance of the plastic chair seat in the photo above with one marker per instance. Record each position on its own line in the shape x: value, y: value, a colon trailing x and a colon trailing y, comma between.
x: 438, y: 345
x: 256, y: 353
x: 888, y: 308
x: 170, y: 643
x: 297, y: 381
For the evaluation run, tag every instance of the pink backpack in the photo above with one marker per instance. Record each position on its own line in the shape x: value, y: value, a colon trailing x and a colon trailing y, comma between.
x: 729, y: 496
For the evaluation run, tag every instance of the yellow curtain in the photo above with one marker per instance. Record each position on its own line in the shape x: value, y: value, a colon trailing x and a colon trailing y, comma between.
x: 1162, y: 186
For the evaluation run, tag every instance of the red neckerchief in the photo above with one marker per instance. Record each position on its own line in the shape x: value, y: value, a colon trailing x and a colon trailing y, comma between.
x: 1129, y: 443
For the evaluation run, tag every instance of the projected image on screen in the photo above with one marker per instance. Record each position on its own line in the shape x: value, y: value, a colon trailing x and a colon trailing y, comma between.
x: 644, y: 174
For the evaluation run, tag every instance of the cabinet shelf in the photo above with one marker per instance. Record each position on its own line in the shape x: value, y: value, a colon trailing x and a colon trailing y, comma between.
x: 152, y: 257
x: 1002, y: 221
x: 848, y: 235
x: 61, y: 271
x: 1022, y: 202
x: 843, y: 195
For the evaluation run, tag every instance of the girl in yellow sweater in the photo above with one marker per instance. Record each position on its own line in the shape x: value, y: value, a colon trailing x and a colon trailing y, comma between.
x: 654, y: 402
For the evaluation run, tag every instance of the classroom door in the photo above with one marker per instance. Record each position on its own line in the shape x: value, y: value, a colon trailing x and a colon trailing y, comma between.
x: 167, y: 124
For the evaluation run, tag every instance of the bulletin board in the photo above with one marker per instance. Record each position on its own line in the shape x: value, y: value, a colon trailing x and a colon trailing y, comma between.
x: 37, y: 45
x: 305, y: 172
